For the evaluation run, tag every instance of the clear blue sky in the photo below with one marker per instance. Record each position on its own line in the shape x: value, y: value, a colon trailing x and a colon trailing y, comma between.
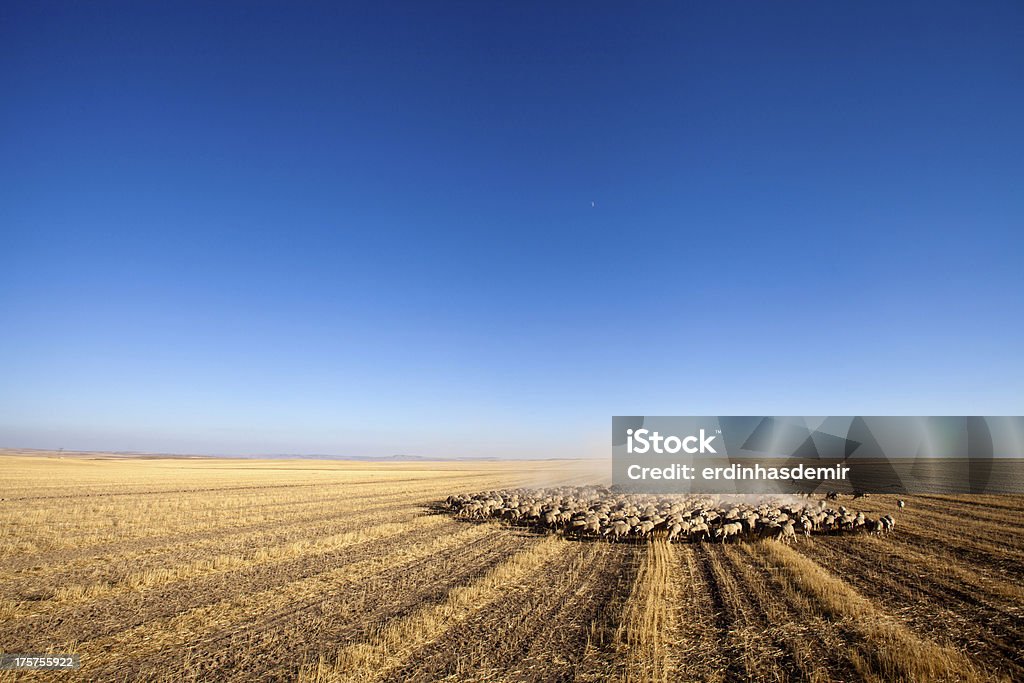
x: 484, y: 228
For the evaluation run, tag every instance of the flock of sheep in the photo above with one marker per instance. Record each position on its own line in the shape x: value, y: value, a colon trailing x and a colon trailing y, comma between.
x: 598, y: 512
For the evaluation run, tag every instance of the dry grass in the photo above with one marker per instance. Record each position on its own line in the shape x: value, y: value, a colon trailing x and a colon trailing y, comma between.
x: 205, y: 623
x: 196, y: 568
x: 182, y: 569
x: 399, y: 640
x: 889, y: 651
x: 650, y: 626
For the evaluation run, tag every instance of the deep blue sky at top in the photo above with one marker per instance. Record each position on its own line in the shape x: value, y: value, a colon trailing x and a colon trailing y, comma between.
x: 367, y: 228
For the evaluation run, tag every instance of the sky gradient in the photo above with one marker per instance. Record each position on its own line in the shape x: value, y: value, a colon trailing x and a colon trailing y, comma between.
x: 484, y: 229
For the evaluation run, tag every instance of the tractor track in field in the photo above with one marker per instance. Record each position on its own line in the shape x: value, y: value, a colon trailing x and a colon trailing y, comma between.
x: 223, y: 489
x: 1007, y: 563
x: 559, y: 656
x: 957, y: 512
x: 125, y: 610
x: 274, y: 644
x: 174, y: 541
x: 135, y: 556
x: 991, y: 532
x: 35, y: 585
x: 755, y: 648
x: 932, y: 605
x: 703, y: 625
x: 491, y: 637
x: 500, y: 637
x: 815, y: 646
x: 1001, y: 502
x: 600, y: 658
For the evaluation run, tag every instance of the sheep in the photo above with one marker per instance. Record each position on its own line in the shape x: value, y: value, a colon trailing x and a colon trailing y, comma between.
x: 619, y: 530
x: 806, y: 525
x: 583, y: 512
x: 729, y: 529
x: 643, y: 528
x: 699, y: 532
x: 786, y: 533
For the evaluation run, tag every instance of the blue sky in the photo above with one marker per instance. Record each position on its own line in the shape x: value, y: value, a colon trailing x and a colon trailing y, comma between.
x: 485, y: 228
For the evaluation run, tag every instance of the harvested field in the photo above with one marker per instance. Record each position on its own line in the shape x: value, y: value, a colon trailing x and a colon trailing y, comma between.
x: 197, y: 569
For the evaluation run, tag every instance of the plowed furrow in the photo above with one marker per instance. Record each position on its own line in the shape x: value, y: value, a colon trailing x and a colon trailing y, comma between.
x: 225, y: 529
x: 1009, y: 503
x: 169, y: 640
x: 143, y: 569
x: 1002, y: 560
x: 1010, y: 520
x: 559, y: 647
x: 751, y: 653
x: 268, y: 485
x: 699, y: 656
x: 817, y: 647
x: 880, y: 647
x: 932, y: 604
x: 494, y: 639
x: 972, y: 533
x: 274, y: 644
x: 602, y: 657
x: 126, y: 610
x: 397, y: 643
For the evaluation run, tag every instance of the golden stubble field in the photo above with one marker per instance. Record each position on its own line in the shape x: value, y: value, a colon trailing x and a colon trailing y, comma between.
x: 201, y: 569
